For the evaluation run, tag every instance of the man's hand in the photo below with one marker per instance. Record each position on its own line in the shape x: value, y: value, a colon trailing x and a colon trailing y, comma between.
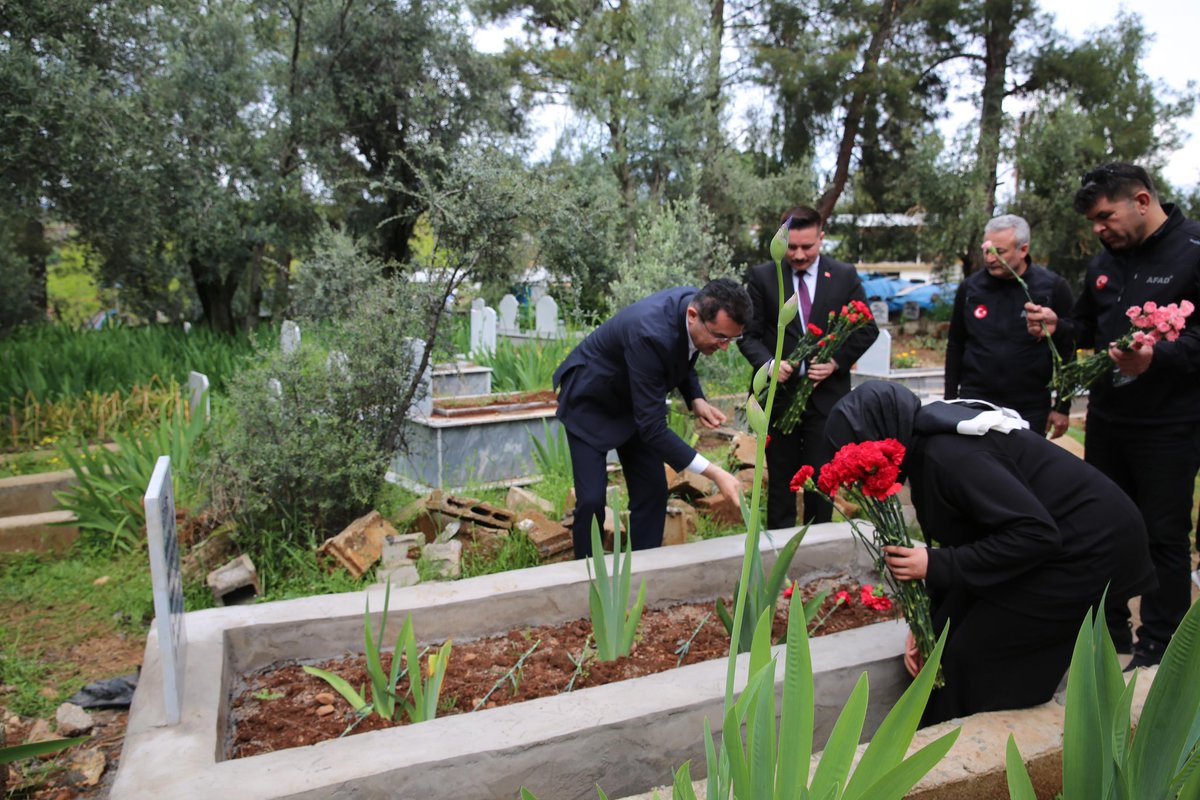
x: 906, y: 563
x: 709, y: 415
x: 729, y: 486
x: 1057, y: 424
x: 819, y: 372
x: 912, y: 655
x: 1040, y: 320
x: 1134, y: 361
x: 786, y: 370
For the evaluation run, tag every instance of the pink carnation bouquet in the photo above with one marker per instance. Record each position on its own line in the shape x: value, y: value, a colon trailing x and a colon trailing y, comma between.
x: 1148, y: 324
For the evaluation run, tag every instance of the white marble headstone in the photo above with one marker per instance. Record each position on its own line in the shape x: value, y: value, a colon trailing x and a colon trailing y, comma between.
x: 509, y: 307
x: 476, y: 330
x: 878, y: 358
x: 198, y: 383
x: 911, y: 311
x: 338, y: 363
x: 546, y: 315
x: 488, y: 345
x: 289, y: 337
x: 167, y: 585
x: 423, y: 399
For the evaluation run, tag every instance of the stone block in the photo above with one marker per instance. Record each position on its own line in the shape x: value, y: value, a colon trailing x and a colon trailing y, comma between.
x: 719, y: 509
x: 746, y: 478
x: 444, y: 559
x: 234, y: 583
x: 400, y: 575
x: 549, y: 537
x: 680, y: 524
x: 690, y: 485
x: 745, y: 447
x: 519, y: 499
x: 360, y: 545
x: 217, y: 548
x: 72, y: 720
x: 400, y: 549
x: 472, y: 510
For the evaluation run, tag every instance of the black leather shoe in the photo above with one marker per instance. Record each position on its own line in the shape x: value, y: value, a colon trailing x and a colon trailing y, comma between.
x: 1146, y: 653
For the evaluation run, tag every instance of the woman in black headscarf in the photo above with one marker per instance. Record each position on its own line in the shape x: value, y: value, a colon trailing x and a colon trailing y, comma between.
x: 1029, y: 537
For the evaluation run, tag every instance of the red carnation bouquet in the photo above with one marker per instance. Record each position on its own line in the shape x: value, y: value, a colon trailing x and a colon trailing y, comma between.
x: 817, y: 347
x: 867, y: 474
x: 1148, y: 325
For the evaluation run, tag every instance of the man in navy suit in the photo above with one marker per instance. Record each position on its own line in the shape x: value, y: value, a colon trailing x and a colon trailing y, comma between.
x: 829, y: 285
x: 612, y: 392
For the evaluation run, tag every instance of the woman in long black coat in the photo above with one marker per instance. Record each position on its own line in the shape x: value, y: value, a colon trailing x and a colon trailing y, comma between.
x: 1029, y: 538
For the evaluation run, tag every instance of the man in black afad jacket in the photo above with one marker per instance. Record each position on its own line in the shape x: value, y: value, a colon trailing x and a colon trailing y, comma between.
x: 1143, y: 434
x: 989, y: 353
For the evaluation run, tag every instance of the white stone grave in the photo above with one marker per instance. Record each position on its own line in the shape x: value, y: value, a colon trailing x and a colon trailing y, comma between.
x: 289, y: 337
x: 488, y: 343
x: 509, y: 307
x: 167, y: 584
x: 546, y: 316
x: 198, y: 383
x: 476, y: 343
x: 878, y: 358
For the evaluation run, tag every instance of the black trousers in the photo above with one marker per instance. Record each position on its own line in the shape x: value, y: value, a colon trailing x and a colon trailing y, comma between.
x: 1156, y: 466
x: 785, y: 455
x: 647, y: 485
x: 996, y: 658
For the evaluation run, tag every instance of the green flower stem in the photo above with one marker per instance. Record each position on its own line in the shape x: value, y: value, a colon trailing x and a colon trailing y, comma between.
x: 1060, y: 382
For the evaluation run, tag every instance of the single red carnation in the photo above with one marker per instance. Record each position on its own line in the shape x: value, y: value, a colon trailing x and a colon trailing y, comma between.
x: 801, y: 477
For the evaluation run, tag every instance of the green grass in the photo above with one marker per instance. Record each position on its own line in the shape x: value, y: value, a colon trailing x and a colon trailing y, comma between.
x: 52, y: 608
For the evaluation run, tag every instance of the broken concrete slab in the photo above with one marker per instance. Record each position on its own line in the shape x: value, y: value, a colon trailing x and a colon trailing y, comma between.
x: 443, y: 560
x: 400, y: 549
x: 360, y: 545
x: 519, y: 499
x: 744, y: 449
x: 680, y: 523
x: 691, y: 485
x: 216, y: 549
x: 720, y: 509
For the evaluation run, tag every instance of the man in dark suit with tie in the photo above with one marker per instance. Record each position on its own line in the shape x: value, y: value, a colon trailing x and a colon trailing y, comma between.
x: 823, y: 285
x: 612, y: 392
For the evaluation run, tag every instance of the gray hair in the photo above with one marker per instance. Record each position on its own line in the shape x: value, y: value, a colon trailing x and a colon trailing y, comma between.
x: 1009, y: 222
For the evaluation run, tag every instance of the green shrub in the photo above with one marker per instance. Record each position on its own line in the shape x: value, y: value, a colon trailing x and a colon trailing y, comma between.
x: 309, y: 434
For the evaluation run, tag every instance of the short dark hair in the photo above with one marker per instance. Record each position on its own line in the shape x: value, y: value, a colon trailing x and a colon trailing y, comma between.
x: 1115, y: 181
x: 798, y: 218
x: 722, y: 294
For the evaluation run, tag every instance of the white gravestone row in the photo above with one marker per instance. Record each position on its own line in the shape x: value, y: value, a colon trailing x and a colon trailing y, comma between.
x: 509, y: 307
x: 546, y: 317
x: 879, y: 310
x: 167, y: 584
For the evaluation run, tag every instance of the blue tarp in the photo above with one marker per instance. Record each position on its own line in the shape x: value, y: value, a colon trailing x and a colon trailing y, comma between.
x: 926, y: 296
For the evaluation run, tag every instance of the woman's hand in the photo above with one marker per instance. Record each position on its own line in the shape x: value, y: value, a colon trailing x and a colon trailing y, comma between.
x: 906, y: 563
x: 912, y: 655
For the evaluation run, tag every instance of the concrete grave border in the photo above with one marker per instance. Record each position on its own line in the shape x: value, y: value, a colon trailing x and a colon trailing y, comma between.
x: 626, y: 737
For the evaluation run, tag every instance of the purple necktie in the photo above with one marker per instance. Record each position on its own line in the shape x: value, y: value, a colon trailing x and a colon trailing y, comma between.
x: 805, y: 300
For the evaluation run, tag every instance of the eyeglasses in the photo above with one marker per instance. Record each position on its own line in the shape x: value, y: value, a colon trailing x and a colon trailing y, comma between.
x: 720, y: 337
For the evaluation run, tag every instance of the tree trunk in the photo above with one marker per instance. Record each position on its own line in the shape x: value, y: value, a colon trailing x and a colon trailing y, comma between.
x: 281, y: 299
x: 34, y: 247
x: 216, y: 296
x: 255, y: 287
x: 864, y: 90
x: 999, y: 23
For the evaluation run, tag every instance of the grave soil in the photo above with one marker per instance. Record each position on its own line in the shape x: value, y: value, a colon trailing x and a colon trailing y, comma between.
x: 280, y: 706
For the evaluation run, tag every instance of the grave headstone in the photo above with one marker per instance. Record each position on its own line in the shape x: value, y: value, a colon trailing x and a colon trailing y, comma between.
x: 546, y: 316
x: 879, y: 310
x: 167, y: 584
x: 423, y: 399
x: 477, y: 304
x: 275, y: 388
x: 488, y: 345
x: 338, y: 363
x: 476, y: 329
x: 878, y: 358
x: 198, y: 383
x: 509, y: 307
x: 289, y: 337
x: 912, y: 311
